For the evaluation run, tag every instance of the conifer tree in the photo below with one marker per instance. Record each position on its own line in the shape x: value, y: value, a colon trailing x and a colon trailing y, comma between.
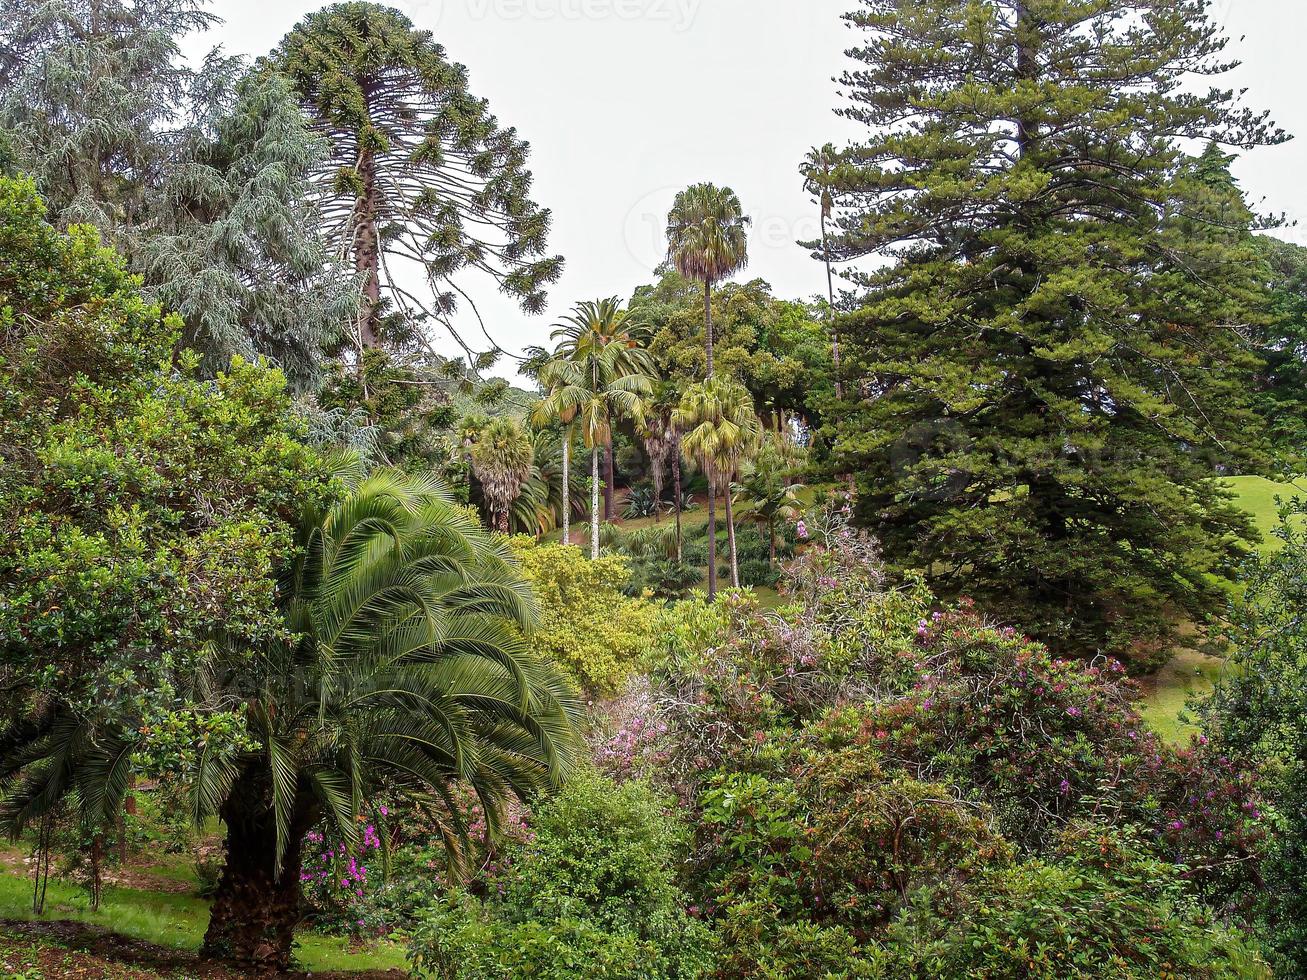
x: 1057, y: 354
x: 422, y: 183
x: 199, y: 177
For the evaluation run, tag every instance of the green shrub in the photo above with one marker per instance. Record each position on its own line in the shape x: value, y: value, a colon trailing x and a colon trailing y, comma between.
x: 1101, y: 906
x: 587, y: 625
x: 593, y: 895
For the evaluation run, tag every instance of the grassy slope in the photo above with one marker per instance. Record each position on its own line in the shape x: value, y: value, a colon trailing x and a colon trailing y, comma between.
x: 1191, y: 673
x: 173, y: 920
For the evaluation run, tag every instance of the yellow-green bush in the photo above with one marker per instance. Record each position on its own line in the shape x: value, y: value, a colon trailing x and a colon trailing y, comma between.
x: 586, y: 624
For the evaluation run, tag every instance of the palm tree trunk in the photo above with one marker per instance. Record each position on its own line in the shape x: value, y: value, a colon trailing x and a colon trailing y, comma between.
x: 567, y: 489
x: 501, y: 521
x: 730, y: 536
x: 676, y: 488
x: 594, y: 501
x: 707, y: 322
x: 830, y: 289
x: 712, y: 541
x: 608, y: 478
x: 771, y: 545
x: 255, y: 909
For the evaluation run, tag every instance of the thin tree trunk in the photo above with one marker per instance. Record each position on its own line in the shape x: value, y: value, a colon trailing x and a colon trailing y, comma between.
x: 594, y: 502
x: 712, y: 541
x: 608, y: 477
x: 707, y: 321
x: 830, y: 290
x: 255, y: 909
x: 676, y: 488
x: 771, y: 545
x: 730, y: 537
x: 567, y: 489
x: 367, y: 254
x: 97, y: 877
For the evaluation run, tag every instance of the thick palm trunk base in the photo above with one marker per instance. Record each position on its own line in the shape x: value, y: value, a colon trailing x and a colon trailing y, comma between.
x: 255, y: 910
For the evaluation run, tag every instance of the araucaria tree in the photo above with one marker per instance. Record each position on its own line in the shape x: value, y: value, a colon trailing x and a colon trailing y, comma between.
x: 421, y: 182
x: 1054, y: 360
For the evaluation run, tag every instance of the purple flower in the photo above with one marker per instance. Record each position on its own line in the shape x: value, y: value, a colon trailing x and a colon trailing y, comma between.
x: 1065, y: 787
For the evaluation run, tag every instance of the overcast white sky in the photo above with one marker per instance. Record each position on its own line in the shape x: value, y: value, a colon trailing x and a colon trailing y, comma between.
x: 627, y: 101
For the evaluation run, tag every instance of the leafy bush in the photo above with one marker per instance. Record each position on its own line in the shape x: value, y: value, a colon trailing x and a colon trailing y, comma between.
x: 587, y: 625
x: 662, y: 578
x: 1101, y: 906
x: 756, y: 572
x: 593, y: 894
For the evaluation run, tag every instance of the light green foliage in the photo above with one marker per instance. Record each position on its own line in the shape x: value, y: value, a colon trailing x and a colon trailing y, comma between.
x: 777, y: 348
x: 1052, y: 362
x: 144, y: 509
x: 1102, y: 905
x: 592, y: 895
x: 587, y: 625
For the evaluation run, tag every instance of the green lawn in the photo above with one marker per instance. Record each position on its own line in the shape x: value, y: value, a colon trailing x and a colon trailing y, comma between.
x: 171, y: 920
x: 1257, y: 495
x: 1191, y: 673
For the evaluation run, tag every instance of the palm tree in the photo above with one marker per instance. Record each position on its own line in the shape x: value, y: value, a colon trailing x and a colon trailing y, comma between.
x: 720, y: 426
x: 600, y: 325
x: 707, y: 241
x: 817, y: 169
x: 502, y: 459
x: 772, y: 498
x: 591, y: 385
x: 553, y: 374
x: 662, y: 443
x: 404, y: 664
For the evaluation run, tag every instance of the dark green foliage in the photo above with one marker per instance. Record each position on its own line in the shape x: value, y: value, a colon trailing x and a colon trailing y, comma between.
x: 1259, y: 715
x: 420, y: 175
x: 144, y: 510
x: 593, y: 894
x: 1056, y: 355
x: 1283, y: 402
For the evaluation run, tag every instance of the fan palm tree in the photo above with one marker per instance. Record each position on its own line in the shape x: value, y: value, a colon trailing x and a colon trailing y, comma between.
x: 600, y: 325
x: 662, y: 444
x: 772, y: 498
x: 707, y: 241
x: 404, y: 663
x: 720, y: 427
x: 502, y: 459
x: 591, y: 387
x: 817, y: 168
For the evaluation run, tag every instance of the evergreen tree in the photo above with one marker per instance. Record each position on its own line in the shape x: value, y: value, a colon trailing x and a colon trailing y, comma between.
x: 1283, y: 399
x: 1057, y: 354
x: 200, y: 178
x: 421, y: 178
x: 235, y: 248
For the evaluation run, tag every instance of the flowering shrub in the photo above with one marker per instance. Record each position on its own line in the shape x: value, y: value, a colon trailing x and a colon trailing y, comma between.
x: 336, y: 879
x: 866, y: 751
